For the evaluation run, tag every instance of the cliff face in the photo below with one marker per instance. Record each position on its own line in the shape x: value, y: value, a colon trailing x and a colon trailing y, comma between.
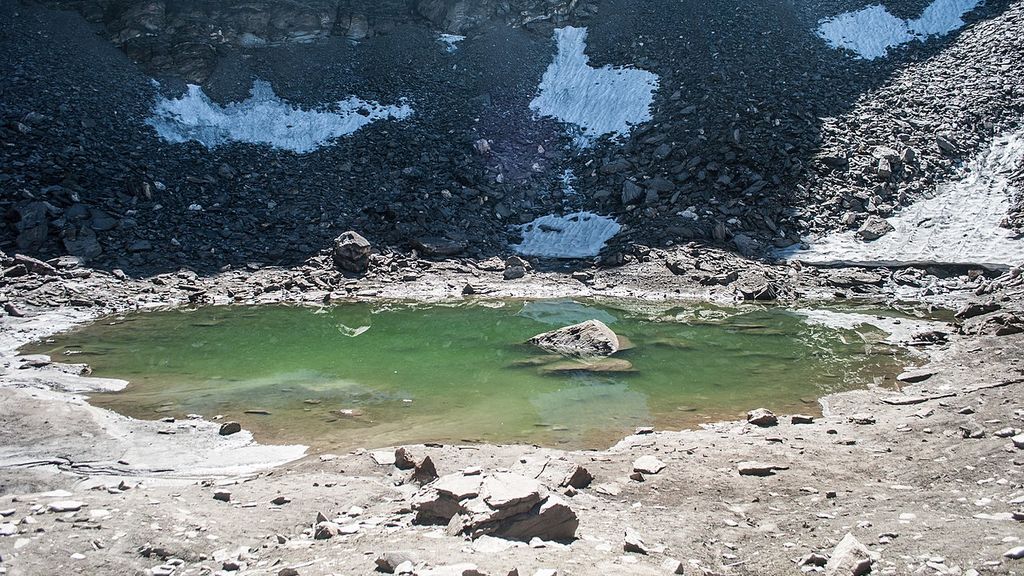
x: 182, y: 38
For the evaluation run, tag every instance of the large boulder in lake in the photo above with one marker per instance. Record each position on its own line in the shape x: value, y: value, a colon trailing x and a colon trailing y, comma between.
x: 590, y: 338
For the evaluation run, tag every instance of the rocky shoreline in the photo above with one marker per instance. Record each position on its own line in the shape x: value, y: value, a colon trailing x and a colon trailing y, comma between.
x: 771, y: 496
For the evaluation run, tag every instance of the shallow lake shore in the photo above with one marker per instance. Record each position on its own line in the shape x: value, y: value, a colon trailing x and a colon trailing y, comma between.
x: 923, y: 477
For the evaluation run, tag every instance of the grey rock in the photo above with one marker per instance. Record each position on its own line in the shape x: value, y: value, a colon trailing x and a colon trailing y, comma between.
x: 65, y: 506
x: 631, y: 192
x: 1018, y: 441
x: 1015, y: 553
x: 976, y: 309
x: 754, y: 468
x: 633, y: 543
x: 648, y: 465
x: 673, y: 566
x: 884, y: 169
x: 874, y: 228
x: 579, y: 477
x: 351, y: 252
x: 914, y: 376
x: 404, y: 458
x: 590, y: 338
x: 762, y: 417
x: 439, y: 246
x: 229, y: 428
x: 501, y: 504
x: 82, y: 242
x: 849, y: 558
x: 326, y: 530
x: 945, y: 143
x: 388, y: 562
x: 862, y: 418
x: 513, y: 273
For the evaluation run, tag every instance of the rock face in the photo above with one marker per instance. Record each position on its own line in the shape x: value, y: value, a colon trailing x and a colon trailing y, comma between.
x: 590, y: 338
x: 499, y: 504
x: 352, y: 252
x: 183, y: 37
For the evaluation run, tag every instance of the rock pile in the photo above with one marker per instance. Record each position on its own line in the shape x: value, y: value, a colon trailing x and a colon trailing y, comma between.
x: 499, y: 504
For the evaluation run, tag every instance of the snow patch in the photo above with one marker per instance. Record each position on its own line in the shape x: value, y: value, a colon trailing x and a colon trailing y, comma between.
x: 959, y: 225
x: 450, y: 41
x: 263, y: 118
x: 899, y: 329
x: 598, y: 101
x: 568, y: 179
x: 577, y: 235
x: 870, y: 32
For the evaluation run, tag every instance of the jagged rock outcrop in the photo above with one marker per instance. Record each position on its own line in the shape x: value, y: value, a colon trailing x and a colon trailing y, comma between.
x: 498, y: 504
x: 182, y: 38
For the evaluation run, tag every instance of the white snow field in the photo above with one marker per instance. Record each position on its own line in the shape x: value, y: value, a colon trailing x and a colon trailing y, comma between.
x: 597, y: 101
x: 959, y: 225
x: 577, y: 235
x: 263, y: 118
x: 899, y: 329
x: 870, y: 32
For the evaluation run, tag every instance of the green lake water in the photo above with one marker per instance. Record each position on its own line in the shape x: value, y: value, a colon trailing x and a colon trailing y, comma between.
x: 389, y: 373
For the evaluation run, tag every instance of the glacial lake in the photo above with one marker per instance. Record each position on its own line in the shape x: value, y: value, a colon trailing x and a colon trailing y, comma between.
x: 382, y: 374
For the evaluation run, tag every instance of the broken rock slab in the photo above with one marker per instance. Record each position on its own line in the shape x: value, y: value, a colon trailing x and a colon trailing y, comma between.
x: 590, y: 338
x: 648, y: 465
x: 499, y: 504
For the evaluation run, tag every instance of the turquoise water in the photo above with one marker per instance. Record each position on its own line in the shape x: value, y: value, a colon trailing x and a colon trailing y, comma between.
x: 390, y: 373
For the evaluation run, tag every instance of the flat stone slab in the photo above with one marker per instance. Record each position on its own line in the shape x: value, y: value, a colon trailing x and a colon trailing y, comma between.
x: 648, y: 465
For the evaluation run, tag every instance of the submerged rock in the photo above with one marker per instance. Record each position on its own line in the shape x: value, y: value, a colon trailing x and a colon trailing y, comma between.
x: 590, y: 338
x: 598, y: 365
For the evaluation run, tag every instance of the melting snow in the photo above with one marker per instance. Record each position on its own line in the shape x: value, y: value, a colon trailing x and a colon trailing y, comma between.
x: 959, y: 225
x: 450, y: 41
x: 871, y: 31
x: 899, y: 329
x: 577, y: 235
x: 263, y: 118
x: 599, y: 101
